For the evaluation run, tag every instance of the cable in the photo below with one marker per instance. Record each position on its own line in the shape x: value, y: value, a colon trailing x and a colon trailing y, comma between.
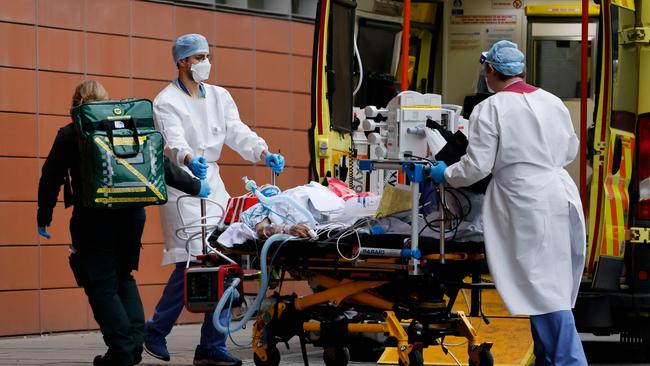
x: 355, y: 231
x: 451, y: 217
x: 409, y: 155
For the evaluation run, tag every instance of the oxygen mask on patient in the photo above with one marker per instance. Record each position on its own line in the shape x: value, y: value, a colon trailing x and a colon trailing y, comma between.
x: 270, y: 196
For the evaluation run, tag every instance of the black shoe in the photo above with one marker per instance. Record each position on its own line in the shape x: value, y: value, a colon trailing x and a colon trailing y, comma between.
x: 103, y: 360
x: 107, y: 360
x: 137, y: 355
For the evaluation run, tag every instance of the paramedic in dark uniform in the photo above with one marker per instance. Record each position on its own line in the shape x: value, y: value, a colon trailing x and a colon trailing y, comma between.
x: 105, y: 242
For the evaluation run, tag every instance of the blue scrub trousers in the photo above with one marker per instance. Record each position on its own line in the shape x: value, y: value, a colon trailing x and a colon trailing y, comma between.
x: 556, y: 339
x: 169, y: 309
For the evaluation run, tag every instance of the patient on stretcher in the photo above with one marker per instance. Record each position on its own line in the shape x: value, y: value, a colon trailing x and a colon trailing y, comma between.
x: 259, y: 222
x: 332, y: 207
x: 262, y: 221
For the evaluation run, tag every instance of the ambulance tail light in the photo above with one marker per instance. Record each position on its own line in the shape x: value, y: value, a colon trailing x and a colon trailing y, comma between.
x: 643, y: 163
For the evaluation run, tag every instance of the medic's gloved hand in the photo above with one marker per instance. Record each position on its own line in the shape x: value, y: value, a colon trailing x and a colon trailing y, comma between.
x: 198, y: 167
x: 42, y: 232
x: 205, y: 189
x: 275, y: 162
x: 438, y: 171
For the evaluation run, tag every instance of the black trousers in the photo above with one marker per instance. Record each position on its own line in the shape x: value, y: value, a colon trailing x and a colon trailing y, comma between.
x: 107, y: 244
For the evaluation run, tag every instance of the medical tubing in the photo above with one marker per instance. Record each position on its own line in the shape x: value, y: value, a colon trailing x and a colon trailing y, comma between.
x: 261, y: 294
x: 268, y: 201
x: 205, y: 229
x: 356, y: 52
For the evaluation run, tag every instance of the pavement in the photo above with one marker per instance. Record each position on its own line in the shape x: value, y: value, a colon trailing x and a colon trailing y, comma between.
x: 64, y: 349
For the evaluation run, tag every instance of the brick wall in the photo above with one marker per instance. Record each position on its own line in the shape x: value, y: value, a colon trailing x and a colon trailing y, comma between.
x: 47, y: 47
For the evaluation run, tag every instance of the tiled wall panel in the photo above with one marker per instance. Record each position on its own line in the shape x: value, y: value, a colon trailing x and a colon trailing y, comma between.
x: 55, y: 269
x: 245, y: 100
x: 19, y: 312
x: 17, y: 223
x: 60, y: 50
x: 272, y: 35
x: 152, y: 20
x: 49, y: 46
x: 152, y: 59
x: 233, y: 67
x: 22, y: 184
x: 272, y: 109
x: 48, y: 127
x: 18, y: 45
x: 21, y: 260
x: 272, y: 71
x: 301, y: 104
x: 234, y: 30
x: 117, y: 88
x: 18, y: 11
x: 18, y: 137
x: 300, y: 74
x: 17, y: 90
x: 107, y: 16
x: 63, y: 309
x: 108, y: 55
x: 302, y: 37
x: 55, y: 91
x: 150, y: 271
x: 152, y: 233
x: 68, y: 14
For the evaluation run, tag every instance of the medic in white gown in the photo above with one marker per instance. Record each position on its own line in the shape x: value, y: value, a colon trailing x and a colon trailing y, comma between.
x: 196, y: 127
x: 533, y: 219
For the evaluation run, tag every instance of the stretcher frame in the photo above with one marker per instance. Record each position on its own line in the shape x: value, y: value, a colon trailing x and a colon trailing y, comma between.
x: 409, y: 325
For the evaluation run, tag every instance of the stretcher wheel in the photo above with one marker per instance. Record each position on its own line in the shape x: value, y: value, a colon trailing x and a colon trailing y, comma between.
x: 336, y: 356
x: 272, y: 357
x: 485, y: 358
x: 415, y: 358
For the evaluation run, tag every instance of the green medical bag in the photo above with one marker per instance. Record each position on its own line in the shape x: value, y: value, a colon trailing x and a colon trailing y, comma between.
x: 122, y: 162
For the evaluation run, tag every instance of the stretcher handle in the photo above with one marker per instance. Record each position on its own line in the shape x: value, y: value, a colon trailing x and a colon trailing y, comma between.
x: 274, y: 175
x: 203, y: 229
x: 442, y: 206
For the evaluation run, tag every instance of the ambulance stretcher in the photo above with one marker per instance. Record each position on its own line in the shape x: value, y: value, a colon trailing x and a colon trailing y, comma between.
x: 373, y: 294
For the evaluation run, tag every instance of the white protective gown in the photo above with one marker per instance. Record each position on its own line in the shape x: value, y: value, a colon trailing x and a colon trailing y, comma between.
x: 533, y: 219
x: 199, y: 127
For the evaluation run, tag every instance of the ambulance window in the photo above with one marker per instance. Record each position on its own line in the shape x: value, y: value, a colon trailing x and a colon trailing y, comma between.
x: 559, y: 57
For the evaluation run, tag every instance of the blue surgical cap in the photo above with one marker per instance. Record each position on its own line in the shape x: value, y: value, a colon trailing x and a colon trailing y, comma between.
x: 189, y: 45
x: 506, y: 58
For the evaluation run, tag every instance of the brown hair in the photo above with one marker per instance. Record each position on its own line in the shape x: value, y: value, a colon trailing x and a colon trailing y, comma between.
x: 88, y: 91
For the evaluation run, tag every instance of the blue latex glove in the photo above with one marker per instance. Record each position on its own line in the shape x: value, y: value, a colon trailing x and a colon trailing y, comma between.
x: 438, y: 171
x: 198, y: 167
x: 205, y: 189
x: 42, y: 232
x: 275, y: 162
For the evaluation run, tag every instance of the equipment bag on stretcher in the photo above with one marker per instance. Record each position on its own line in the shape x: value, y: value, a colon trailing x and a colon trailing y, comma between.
x: 122, y: 162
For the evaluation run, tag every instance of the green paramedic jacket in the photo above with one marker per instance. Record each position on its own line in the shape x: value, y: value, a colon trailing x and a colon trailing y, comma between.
x: 63, y: 165
x: 121, y: 154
